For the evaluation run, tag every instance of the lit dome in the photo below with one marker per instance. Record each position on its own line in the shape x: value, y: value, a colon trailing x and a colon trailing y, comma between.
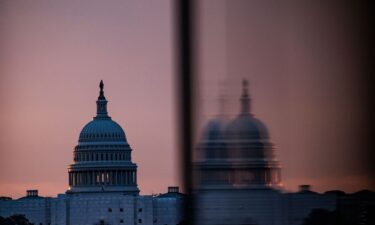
x: 102, y: 130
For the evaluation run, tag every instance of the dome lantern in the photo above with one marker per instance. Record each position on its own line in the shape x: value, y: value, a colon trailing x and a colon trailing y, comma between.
x: 101, y: 104
x: 245, y: 99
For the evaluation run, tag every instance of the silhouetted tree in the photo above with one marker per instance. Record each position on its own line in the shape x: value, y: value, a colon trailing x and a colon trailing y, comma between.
x: 321, y: 217
x: 101, y: 222
x: 182, y: 222
x: 5, y: 198
x: 354, y: 217
x: 14, y: 220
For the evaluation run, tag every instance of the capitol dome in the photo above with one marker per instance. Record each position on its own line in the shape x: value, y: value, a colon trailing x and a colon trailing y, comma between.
x: 102, y: 129
x: 102, y: 158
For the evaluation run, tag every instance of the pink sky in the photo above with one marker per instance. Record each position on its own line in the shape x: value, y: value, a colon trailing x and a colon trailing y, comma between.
x: 303, y: 81
x: 53, y: 55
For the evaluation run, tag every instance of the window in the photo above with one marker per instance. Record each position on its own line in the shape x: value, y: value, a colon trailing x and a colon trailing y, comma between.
x: 121, y: 221
x: 109, y: 210
x: 121, y: 210
x: 140, y: 221
x: 140, y: 210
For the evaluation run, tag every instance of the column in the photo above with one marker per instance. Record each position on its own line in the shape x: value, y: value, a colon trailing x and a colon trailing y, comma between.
x: 93, y: 177
x: 126, y: 177
x: 74, y: 179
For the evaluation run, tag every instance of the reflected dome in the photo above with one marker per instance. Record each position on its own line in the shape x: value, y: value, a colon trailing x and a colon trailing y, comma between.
x: 247, y: 127
x: 237, y: 154
x: 214, y: 130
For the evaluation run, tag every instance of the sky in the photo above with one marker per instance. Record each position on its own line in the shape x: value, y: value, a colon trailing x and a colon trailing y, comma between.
x: 53, y: 56
x: 303, y: 63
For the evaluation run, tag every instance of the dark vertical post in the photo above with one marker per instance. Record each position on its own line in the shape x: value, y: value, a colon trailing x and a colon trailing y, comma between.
x: 184, y: 29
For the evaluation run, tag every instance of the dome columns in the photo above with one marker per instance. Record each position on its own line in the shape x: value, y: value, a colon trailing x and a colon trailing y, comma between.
x: 104, y: 177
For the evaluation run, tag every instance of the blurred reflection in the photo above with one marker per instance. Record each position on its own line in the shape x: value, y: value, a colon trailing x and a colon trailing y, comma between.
x: 237, y: 176
x: 238, y: 153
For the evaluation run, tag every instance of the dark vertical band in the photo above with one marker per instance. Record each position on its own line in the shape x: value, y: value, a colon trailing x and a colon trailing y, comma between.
x: 184, y: 47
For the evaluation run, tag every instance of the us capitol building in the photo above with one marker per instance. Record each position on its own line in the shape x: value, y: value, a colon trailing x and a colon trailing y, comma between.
x: 237, y: 181
x: 103, y: 186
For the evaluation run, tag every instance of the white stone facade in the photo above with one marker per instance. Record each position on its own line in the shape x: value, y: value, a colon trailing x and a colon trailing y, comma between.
x: 97, y: 208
